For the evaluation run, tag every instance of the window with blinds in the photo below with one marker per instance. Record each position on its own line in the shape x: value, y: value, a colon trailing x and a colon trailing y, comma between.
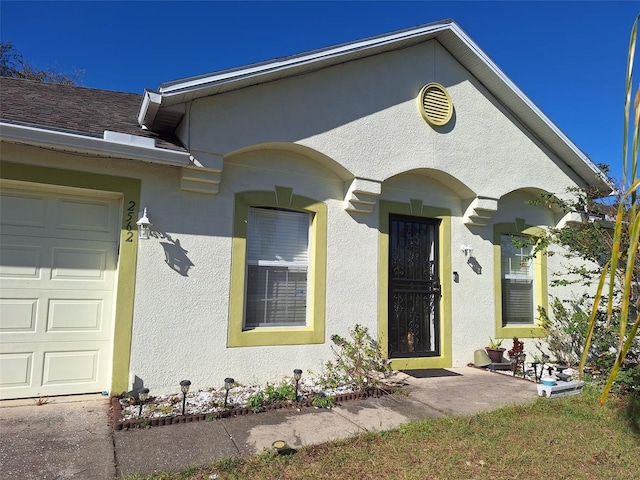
x: 518, y: 305
x: 277, y: 267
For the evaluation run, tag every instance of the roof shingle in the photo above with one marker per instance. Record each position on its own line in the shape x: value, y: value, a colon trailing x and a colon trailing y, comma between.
x: 77, y: 110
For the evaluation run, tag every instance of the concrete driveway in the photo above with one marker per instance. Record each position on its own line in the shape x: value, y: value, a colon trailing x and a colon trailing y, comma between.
x: 69, y: 437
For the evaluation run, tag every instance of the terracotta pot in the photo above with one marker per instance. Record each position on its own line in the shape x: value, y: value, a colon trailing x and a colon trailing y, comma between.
x: 495, y: 354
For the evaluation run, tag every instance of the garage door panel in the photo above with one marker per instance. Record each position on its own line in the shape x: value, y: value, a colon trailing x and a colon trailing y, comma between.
x: 20, y: 261
x: 79, y: 264
x: 28, y: 262
x: 18, y: 315
x: 22, y: 212
x: 70, y: 367
x: 83, y: 215
x: 58, y: 262
x: 82, y: 264
x: 85, y: 218
x: 75, y: 315
x: 16, y: 370
x: 73, y: 367
x: 55, y: 316
x: 51, y: 214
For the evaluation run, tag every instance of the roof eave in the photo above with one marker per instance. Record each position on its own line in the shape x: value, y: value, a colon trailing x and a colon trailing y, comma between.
x: 68, y: 142
x: 447, y: 32
x: 333, y: 54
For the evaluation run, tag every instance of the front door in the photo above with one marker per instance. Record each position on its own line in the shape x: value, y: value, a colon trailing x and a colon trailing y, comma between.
x: 414, y: 287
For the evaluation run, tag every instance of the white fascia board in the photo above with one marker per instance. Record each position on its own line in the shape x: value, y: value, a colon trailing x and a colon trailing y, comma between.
x: 89, y: 145
x: 532, y: 106
x: 194, y: 83
x: 150, y: 104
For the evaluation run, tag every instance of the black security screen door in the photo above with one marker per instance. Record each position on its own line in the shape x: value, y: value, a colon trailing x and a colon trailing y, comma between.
x: 414, y: 287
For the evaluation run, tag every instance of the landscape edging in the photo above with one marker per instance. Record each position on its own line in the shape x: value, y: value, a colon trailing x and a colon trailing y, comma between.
x: 119, y: 424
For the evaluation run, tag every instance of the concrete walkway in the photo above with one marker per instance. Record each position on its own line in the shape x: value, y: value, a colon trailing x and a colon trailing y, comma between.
x: 70, y: 438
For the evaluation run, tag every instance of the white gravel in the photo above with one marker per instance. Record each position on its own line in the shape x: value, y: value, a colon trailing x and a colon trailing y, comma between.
x: 212, y: 401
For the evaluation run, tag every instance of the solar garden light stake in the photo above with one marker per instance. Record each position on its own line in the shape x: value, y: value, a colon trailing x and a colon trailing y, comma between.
x: 514, y: 364
x: 228, y: 383
x: 545, y: 359
x: 143, y: 394
x: 184, y: 386
x: 535, y: 370
x: 297, y: 375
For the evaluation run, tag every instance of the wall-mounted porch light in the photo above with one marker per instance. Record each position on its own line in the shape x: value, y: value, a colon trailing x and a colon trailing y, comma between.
x: 468, y: 251
x: 144, y: 225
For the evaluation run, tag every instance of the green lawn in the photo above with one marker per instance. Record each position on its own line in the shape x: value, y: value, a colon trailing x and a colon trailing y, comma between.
x: 567, y: 438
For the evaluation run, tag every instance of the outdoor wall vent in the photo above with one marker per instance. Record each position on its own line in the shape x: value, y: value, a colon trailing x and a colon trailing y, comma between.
x: 435, y: 104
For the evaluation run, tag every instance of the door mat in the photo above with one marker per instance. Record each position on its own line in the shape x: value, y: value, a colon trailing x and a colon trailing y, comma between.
x: 431, y: 373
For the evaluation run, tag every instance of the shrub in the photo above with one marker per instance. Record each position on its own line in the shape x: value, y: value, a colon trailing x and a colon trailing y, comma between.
x: 283, y: 392
x: 256, y: 402
x: 566, y: 333
x: 358, y: 363
x: 628, y: 380
x: 565, y: 330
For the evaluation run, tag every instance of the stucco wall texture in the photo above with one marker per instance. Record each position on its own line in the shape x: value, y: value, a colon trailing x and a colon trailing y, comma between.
x: 358, y: 119
x: 354, y: 120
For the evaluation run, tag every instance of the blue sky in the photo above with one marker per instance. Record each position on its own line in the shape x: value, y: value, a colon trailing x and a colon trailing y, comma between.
x: 568, y: 57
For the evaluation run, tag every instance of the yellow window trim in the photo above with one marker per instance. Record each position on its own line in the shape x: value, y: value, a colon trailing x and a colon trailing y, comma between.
x: 542, y: 298
x: 416, y: 209
x: 129, y: 189
x: 314, y: 331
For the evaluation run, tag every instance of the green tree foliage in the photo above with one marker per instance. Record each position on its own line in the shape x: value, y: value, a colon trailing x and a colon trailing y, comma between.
x: 624, y: 257
x: 12, y: 64
x: 592, y: 239
x: 607, y: 240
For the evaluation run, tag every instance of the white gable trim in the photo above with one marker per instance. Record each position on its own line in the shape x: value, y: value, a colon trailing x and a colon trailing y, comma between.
x: 447, y: 32
x: 335, y: 54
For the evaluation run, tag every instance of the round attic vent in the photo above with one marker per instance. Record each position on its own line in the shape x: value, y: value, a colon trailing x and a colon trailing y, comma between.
x: 435, y: 104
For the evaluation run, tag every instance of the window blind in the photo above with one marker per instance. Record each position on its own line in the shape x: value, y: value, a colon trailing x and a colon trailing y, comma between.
x: 517, y: 282
x: 277, y: 236
x: 277, y: 267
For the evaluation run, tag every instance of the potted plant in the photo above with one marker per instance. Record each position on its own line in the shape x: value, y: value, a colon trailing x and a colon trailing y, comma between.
x: 495, y: 350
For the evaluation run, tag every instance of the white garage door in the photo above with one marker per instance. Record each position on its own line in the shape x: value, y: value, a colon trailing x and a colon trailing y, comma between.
x: 58, y: 256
